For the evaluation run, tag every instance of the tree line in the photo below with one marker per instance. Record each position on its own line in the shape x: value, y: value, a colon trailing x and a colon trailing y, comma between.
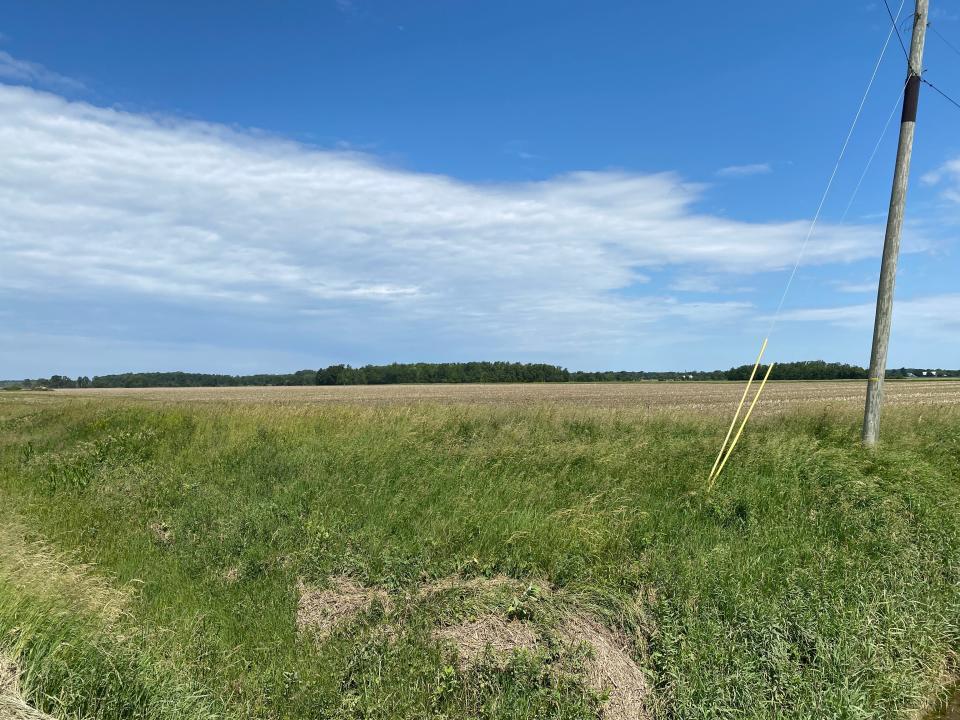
x: 468, y: 372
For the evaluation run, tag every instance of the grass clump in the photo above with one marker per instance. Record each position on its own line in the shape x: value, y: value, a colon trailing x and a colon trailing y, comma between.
x: 816, y: 580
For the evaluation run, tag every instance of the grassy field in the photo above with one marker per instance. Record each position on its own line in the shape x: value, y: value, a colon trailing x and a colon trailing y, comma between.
x: 483, y: 552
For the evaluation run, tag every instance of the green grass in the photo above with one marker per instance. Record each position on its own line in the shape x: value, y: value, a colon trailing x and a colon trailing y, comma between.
x: 816, y: 580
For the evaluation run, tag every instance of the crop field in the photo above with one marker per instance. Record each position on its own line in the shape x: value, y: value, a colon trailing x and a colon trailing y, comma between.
x: 478, y: 551
x: 718, y: 397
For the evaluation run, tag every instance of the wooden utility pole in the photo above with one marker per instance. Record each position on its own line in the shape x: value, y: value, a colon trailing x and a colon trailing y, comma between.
x: 891, y: 242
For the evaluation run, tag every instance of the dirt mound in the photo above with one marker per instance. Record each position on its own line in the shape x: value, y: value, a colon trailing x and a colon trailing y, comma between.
x: 321, y: 611
x: 472, y: 638
x: 611, y: 668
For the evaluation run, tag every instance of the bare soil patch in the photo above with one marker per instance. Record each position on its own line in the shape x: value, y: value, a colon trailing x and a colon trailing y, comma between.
x: 321, y: 611
x: 162, y: 533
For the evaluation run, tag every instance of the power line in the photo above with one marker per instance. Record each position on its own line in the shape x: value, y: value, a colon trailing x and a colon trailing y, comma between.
x: 872, y: 155
x: 950, y: 99
x: 893, y: 21
x: 725, y: 451
x: 948, y: 43
x: 833, y: 175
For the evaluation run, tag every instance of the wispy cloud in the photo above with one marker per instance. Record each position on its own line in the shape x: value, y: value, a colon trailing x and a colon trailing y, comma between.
x: 112, y: 206
x: 30, y: 73
x: 518, y: 148
x: 947, y: 176
x: 928, y: 317
x: 694, y: 283
x: 851, y: 287
x: 734, y: 171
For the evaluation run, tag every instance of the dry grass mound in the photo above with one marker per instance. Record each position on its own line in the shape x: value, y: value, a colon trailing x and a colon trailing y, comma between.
x: 610, y: 668
x: 473, y: 637
x: 321, y: 611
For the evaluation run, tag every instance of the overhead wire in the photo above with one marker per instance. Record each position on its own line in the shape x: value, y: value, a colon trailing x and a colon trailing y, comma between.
x: 946, y: 42
x: 950, y: 99
x: 954, y: 48
x: 876, y: 147
x: 833, y: 175
x: 893, y: 21
x: 725, y: 450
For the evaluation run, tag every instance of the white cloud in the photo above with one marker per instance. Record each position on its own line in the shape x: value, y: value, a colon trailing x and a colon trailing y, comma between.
x: 98, y: 202
x: 851, y: 287
x: 695, y: 283
x: 948, y: 176
x: 22, y: 71
x: 930, y: 317
x: 745, y: 170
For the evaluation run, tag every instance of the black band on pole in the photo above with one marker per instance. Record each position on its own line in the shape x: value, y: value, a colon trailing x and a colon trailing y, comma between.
x: 911, y: 98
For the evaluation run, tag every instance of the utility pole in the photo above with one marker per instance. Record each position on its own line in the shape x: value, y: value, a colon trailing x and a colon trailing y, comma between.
x: 891, y: 241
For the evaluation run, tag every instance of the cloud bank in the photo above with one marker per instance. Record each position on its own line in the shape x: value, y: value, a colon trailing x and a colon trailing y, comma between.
x: 99, y: 203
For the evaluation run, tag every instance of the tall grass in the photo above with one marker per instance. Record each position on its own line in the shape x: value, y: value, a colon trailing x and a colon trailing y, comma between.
x: 815, y: 580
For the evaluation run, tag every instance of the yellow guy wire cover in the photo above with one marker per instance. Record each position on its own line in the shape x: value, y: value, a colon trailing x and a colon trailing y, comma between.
x: 736, y: 416
x: 742, y: 425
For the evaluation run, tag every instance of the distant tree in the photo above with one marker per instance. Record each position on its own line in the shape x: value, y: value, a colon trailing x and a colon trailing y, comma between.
x: 476, y: 372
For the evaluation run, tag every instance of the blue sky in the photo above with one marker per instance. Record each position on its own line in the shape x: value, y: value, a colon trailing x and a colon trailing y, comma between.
x: 269, y: 186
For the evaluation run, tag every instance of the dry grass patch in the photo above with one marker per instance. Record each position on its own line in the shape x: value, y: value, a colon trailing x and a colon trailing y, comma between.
x: 473, y: 637
x: 12, y: 704
x: 9, y: 676
x: 321, y: 611
x: 12, y: 707
x: 46, y: 573
x: 610, y: 668
x: 161, y: 532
